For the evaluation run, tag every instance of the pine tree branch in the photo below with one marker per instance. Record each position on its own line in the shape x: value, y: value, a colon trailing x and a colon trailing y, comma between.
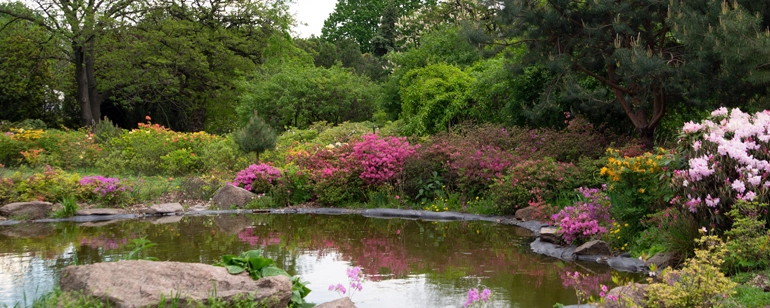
x: 603, y: 80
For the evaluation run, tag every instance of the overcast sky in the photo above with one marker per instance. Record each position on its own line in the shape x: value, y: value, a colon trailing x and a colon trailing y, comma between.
x: 313, y: 13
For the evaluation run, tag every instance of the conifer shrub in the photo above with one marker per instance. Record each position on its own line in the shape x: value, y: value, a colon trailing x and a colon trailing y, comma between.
x: 257, y: 136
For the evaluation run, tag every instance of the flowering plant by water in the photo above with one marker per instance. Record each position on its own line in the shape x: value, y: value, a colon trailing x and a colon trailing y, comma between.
x: 107, y: 189
x: 478, y: 299
x: 355, y: 280
x: 586, y: 218
x: 257, y: 178
x: 727, y: 159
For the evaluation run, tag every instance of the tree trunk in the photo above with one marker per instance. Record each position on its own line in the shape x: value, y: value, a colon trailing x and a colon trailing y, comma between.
x: 647, y: 137
x: 83, y: 96
x: 257, y: 158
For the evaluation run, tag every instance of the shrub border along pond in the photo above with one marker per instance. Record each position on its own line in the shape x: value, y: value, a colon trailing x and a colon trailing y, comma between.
x: 619, y: 263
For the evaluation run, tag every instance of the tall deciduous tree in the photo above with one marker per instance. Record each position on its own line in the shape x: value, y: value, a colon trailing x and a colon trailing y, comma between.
x: 359, y: 19
x: 27, y: 71
x: 81, y: 24
x: 636, y: 49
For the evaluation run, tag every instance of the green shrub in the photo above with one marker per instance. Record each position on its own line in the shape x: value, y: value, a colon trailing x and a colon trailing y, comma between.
x: 105, y: 130
x: 10, y: 150
x: 344, y: 132
x: 51, y: 185
x: 533, y: 180
x: 338, y: 188
x: 181, y: 161
x: 69, y: 149
x: 700, y: 283
x: 748, y: 241
x: 292, y: 189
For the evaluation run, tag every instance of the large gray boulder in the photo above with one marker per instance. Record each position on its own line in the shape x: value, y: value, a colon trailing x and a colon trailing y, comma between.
x: 230, y: 195
x: 595, y: 248
x: 164, y: 209
x: 344, y: 302
x: 128, y: 284
x: 26, y: 210
x: 100, y: 212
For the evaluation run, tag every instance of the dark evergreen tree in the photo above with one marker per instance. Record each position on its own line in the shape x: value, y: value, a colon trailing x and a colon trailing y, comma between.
x: 384, y: 40
x: 645, y: 54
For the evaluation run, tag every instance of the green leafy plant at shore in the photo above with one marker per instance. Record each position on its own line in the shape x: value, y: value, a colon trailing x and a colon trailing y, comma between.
x: 257, y: 266
x: 69, y: 207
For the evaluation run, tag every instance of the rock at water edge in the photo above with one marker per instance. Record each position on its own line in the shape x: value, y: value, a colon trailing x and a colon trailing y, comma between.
x: 526, y: 214
x: 548, y: 234
x: 344, y: 302
x: 636, y: 293
x: 143, y: 283
x: 92, y: 212
x: 26, y: 210
x: 594, y: 248
x: 230, y: 195
x: 662, y: 260
x: 165, y: 208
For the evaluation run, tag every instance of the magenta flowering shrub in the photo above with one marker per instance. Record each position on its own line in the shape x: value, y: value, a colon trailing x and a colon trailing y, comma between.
x: 586, y: 219
x: 727, y: 159
x: 257, y: 178
x: 470, y: 165
x: 108, y: 190
x: 381, y: 159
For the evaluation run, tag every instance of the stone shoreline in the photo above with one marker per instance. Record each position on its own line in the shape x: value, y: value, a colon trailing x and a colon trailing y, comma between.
x: 620, y: 263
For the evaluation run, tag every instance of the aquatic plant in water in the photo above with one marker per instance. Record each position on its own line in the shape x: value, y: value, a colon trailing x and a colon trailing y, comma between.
x: 355, y: 278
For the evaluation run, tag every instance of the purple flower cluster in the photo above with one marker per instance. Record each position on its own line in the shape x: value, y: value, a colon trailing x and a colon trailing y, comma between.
x: 103, y: 186
x: 355, y: 277
x: 263, y: 173
x: 475, y: 297
x: 381, y: 158
x: 585, y: 219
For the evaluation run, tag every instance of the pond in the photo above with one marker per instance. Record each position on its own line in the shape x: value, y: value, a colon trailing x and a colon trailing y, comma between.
x: 408, y: 263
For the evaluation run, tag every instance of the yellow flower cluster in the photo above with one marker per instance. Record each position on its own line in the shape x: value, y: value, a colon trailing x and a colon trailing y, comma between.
x: 647, y: 163
x: 21, y: 134
x: 613, y: 234
x: 435, y: 208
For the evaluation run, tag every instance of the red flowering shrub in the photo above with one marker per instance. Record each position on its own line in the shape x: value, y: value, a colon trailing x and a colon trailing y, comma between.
x: 534, y: 181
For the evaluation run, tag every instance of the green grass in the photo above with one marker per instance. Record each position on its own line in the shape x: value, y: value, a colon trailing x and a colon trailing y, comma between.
x: 747, y: 296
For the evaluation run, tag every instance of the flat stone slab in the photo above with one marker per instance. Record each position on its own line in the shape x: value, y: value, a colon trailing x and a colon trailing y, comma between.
x: 90, y: 212
x: 164, y: 209
x: 143, y: 283
x: 548, y: 234
x: 595, y: 247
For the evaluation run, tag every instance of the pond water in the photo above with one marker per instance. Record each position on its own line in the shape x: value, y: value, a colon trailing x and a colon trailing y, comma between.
x: 408, y: 263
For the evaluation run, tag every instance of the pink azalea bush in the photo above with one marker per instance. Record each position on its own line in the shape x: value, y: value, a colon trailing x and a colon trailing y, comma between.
x: 109, y: 190
x: 381, y: 159
x: 257, y: 178
x: 727, y: 159
x: 587, y: 218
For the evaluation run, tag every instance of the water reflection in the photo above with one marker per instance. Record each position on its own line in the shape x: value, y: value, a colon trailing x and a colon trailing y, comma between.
x: 408, y: 263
